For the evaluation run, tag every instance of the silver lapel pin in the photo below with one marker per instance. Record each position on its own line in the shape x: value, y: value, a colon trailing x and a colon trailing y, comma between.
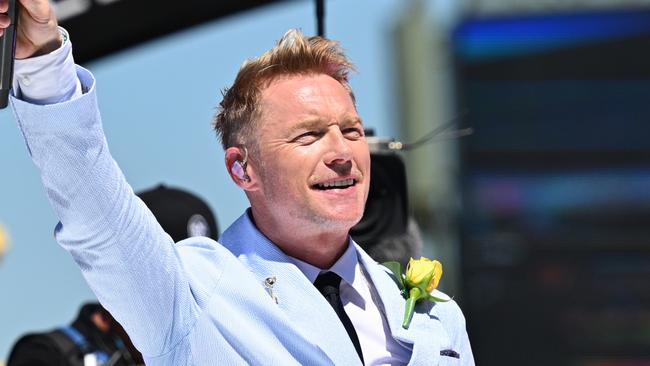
x: 268, y: 283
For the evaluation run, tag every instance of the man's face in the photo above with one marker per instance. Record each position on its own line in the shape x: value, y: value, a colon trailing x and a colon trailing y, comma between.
x: 315, y: 163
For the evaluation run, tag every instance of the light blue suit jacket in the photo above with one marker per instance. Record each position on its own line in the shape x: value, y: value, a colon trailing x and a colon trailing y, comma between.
x: 200, y: 302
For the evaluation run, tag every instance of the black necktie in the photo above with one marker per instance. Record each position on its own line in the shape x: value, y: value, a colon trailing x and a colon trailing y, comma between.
x: 328, y: 284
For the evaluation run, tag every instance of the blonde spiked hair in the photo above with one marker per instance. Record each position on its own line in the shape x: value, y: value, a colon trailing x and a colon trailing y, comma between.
x: 294, y: 54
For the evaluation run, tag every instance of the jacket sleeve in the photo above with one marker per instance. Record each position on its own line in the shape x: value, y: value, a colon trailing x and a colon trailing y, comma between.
x: 125, y: 256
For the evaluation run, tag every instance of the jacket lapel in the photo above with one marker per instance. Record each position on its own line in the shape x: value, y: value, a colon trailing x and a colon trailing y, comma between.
x: 425, y: 334
x: 305, y: 308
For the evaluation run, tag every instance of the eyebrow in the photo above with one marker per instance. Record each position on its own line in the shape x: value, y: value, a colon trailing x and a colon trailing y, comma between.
x: 352, y: 121
x: 318, y: 123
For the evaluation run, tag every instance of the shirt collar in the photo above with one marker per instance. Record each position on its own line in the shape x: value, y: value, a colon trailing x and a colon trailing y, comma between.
x: 346, y: 266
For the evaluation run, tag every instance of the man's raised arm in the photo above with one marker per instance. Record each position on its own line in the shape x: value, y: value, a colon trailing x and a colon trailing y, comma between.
x: 126, y: 257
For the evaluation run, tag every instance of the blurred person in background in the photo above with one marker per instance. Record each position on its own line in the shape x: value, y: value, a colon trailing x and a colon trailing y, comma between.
x: 180, y: 213
x: 95, y: 338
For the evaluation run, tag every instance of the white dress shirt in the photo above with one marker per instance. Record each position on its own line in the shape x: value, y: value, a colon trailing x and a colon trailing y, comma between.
x: 360, y: 303
x: 47, y: 79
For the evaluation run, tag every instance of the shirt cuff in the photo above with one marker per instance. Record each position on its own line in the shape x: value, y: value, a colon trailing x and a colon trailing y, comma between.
x: 48, y: 79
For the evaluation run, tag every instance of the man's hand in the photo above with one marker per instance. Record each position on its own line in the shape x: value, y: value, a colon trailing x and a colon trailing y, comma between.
x: 37, y: 32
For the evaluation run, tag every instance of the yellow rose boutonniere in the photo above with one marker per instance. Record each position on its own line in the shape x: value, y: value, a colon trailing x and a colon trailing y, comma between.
x: 419, y: 282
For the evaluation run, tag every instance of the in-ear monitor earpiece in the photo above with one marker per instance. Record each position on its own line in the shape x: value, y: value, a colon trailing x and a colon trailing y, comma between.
x: 239, y: 168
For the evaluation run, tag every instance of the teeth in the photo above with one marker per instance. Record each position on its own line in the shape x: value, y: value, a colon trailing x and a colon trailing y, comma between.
x: 340, y: 183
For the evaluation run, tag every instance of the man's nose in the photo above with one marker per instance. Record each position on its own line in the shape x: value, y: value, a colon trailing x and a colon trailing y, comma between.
x: 338, y: 149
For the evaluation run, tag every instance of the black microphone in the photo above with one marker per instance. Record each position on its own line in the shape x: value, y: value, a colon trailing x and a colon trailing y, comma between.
x: 7, y: 53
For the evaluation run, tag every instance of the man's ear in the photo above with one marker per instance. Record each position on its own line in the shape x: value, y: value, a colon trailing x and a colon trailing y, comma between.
x: 239, y: 168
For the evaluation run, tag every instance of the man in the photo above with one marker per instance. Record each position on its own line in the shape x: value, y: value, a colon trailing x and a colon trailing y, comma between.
x: 93, y: 338
x: 294, y: 143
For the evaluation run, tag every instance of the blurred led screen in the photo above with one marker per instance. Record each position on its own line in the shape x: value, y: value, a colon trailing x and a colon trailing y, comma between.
x: 556, y: 187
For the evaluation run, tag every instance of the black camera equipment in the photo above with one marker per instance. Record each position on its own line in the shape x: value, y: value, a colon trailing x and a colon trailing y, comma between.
x: 386, y: 212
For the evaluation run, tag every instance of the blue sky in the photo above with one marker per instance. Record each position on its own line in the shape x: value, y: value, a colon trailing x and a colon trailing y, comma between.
x: 157, y: 101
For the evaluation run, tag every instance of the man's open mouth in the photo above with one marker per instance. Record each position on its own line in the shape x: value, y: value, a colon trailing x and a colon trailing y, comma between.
x: 339, y: 184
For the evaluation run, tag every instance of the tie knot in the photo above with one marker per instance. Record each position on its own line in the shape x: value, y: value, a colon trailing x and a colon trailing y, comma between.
x: 327, y: 282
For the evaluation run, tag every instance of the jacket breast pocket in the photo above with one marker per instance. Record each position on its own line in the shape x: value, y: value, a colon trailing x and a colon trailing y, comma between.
x: 449, y: 357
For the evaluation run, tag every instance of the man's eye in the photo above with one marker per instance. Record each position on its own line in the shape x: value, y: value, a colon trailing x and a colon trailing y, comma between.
x: 309, y: 136
x: 354, y: 133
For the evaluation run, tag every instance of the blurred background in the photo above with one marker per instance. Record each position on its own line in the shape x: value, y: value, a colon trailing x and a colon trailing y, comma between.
x: 541, y: 216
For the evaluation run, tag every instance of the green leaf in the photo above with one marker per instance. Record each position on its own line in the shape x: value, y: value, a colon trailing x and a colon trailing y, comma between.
x: 396, y: 268
x: 437, y: 296
x: 438, y: 299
